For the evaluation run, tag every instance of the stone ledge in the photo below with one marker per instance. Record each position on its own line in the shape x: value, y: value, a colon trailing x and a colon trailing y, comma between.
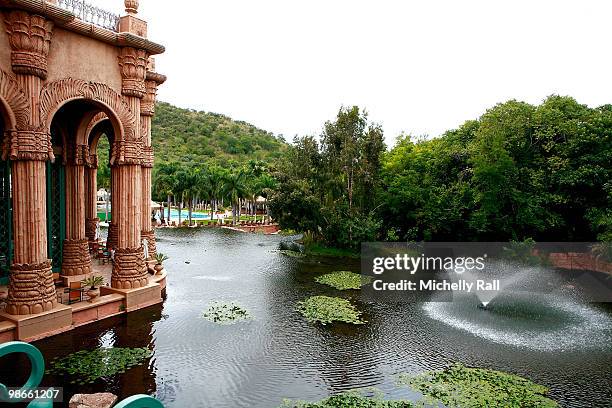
x: 102, y: 300
x: 38, y: 326
x: 137, y: 298
x: 113, y: 302
x: 7, y: 326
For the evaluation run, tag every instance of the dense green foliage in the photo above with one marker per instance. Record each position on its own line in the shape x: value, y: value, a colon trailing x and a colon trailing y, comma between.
x: 520, y: 172
x: 326, y: 309
x: 200, y: 154
x: 459, y: 386
x: 210, y: 187
x: 86, y: 366
x: 343, y: 280
x: 188, y: 136
x: 328, y: 188
x: 104, y: 173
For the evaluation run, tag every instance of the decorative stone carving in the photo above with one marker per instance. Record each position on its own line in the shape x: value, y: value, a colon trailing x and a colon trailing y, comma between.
x: 129, y: 269
x: 91, y: 225
x: 12, y: 93
x: 76, y: 258
x: 147, y: 106
x: 133, y: 62
x: 78, y: 155
x: 92, y: 160
x: 99, y: 117
x: 28, y: 145
x: 150, y: 237
x: 148, y: 156
x: 56, y: 93
x: 127, y: 152
x: 30, y: 38
x: 155, y: 77
x: 131, y: 6
x: 31, y: 289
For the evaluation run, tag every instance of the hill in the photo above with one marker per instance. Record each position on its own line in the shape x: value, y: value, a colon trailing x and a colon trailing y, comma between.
x: 186, y: 135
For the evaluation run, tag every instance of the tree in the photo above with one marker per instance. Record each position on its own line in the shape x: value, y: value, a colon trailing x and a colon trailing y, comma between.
x: 235, y: 189
x: 164, y: 182
x: 331, y: 190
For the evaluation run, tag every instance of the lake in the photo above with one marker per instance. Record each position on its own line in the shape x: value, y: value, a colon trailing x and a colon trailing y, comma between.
x: 280, y: 355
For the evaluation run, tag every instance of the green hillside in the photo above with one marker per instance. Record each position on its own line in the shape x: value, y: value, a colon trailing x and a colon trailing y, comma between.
x: 186, y: 135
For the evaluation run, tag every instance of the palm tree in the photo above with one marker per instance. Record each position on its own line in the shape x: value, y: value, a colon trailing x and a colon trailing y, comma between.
x: 214, y: 179
x: 164, y: 182
x: 204, y: 189
x: 191, y: 188
x: 180, y: 186
x: 235, y: 189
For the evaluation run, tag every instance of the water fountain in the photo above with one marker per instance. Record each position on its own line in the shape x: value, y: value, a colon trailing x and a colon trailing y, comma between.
x: 533, y: 309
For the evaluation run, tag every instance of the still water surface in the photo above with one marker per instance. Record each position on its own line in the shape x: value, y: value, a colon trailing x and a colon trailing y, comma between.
x: 279, y: 354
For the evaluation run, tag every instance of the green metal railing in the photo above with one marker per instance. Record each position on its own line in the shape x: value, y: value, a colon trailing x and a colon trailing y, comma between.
x: 36, y: 374
x: 56, y: 213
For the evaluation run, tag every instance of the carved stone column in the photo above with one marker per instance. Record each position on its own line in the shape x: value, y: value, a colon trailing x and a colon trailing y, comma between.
x: 91, y: 198
x: 147, y: 110
x: 76, y: 259
x: 112, y: 240
x: 129, y: 269
x: 31, y: 287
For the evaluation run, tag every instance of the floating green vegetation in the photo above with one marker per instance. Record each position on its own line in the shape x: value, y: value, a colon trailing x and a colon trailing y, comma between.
x: 344, y: 280
x: 226, y: 313
x: 86, y: 366
x: 326, y: 309
x: 292, y: 254
x: 459, y: 386
x: 348, y: 400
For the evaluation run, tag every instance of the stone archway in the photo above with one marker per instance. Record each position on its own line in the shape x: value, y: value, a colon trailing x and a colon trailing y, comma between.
x: 56, y: 94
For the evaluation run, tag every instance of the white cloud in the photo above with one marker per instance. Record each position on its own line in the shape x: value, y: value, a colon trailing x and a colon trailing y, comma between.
x: 420, y: 67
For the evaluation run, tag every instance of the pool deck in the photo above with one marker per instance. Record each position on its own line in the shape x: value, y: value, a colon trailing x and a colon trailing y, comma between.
x: 65, y: 317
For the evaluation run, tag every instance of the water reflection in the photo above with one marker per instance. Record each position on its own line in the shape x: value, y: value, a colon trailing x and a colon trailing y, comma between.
x: 279, y: 354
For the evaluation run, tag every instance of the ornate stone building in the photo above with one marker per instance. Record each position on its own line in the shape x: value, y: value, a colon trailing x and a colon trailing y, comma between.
x: 70, y: 74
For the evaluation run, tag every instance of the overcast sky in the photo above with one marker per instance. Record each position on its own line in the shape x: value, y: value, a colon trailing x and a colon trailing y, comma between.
x: 419, y: 67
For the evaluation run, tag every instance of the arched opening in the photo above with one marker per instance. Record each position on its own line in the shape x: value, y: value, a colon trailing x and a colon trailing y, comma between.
x: 6, y: 218
x: 98, y: 180
x: 71, y: 187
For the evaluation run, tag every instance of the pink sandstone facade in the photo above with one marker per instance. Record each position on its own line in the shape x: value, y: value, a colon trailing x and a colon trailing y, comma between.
x: 65, y: 83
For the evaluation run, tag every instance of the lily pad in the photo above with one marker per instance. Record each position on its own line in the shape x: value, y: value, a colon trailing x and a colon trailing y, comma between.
x: 89, y: 365
x: 344, y: 280
x: 460, y: 386
x: 226, y: 313
x: 349, y: 399
x: 326, y: 309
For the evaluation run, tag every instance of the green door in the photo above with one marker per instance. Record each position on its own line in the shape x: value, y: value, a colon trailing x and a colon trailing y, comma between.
x: 6, y: 222
x: 56, y: 212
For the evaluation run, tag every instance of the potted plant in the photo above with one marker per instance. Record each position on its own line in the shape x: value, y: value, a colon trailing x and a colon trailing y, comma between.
x: 94, y: 283
x: 160, y: 258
